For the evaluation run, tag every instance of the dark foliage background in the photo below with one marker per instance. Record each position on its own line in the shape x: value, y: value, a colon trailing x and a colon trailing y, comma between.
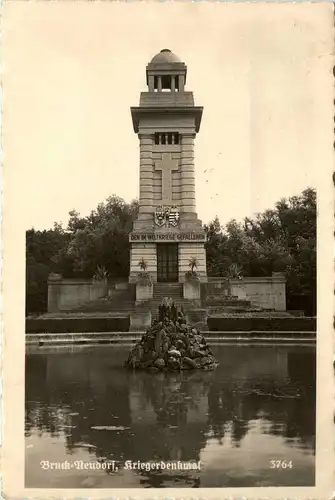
x: 279, y: 240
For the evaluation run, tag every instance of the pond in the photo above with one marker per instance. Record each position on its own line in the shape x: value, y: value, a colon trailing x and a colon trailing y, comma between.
x: 92, y: 424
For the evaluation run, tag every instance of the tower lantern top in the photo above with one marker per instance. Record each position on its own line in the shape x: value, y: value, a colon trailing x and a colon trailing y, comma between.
x: 166, y: 73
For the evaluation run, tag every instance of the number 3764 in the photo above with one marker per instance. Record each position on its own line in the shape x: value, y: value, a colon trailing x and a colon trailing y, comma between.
x: 281, y: 464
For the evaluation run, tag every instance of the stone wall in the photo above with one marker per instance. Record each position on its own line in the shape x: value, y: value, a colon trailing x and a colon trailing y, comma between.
x: 266, y: 292
x: 67, y: 294
x: 117, y: 286
x: 253, y: 324
x: 77, y: 325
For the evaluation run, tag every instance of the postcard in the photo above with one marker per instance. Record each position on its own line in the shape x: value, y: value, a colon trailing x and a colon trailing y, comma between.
x: 168, y: 264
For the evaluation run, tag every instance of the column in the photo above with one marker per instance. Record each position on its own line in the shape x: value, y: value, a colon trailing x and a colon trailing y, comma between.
x: 151, y: 83
x: 146, y: 174
x: 173, y: 84
x: 187, y: 174
x: 181, y: 83
x: 159, y: 83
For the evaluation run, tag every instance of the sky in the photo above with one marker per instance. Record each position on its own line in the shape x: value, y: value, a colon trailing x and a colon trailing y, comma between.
x: 73, y: 69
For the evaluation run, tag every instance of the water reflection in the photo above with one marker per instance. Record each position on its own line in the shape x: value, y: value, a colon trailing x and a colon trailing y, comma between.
x: 91, y: 407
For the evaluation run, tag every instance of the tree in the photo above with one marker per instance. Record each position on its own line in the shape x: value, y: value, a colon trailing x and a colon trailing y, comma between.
x: 87, y: 245
x: 278, y: 240
x: 216, y: 259
x: 43, y: 251
x: 102, y: 238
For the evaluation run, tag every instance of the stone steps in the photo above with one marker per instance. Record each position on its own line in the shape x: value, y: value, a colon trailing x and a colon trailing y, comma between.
x: 180, y: 303
x: 123, y: 302
x: 171, y: 290
x: 160, y: 297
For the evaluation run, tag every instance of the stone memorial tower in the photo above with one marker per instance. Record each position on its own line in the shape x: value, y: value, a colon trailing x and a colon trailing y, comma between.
x: 167, y: 232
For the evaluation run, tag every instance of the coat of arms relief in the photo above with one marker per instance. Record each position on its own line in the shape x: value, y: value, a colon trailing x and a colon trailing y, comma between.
x: 167, y: 216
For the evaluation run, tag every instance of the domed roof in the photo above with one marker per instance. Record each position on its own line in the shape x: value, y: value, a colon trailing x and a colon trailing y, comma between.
x: 165, y: 56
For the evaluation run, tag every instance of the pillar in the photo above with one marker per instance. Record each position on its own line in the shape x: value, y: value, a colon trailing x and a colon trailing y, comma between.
x: 146, y: 174
x: 187, y: 174
x: 54, y: 292
x: 159, y: 83
x: 181, y: 83
x: 151, y: 83
x: 173, y: 83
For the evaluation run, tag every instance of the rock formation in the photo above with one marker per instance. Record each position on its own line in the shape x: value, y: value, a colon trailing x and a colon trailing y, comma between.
x: 171, y: 344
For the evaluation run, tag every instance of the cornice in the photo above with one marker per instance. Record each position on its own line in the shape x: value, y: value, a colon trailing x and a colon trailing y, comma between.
x: 138, y: 112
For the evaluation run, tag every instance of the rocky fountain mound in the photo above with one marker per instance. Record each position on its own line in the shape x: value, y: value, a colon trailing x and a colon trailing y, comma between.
x: 170, y: 344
